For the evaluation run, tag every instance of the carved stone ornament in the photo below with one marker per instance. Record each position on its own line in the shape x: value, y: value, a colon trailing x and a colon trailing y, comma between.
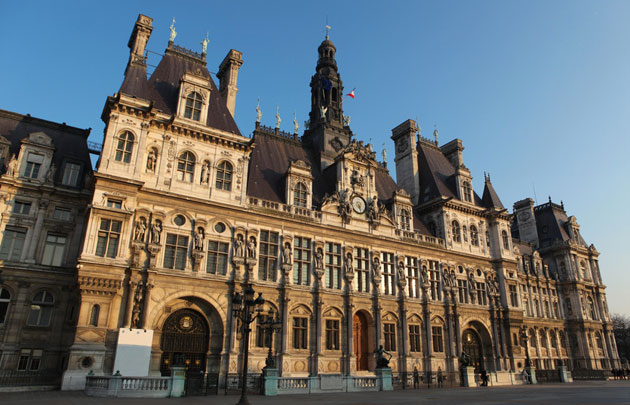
x: 360, y: 152
x: 402, y: 280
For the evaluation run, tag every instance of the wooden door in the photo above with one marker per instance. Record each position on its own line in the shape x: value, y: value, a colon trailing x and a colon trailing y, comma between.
x: 360, y: 339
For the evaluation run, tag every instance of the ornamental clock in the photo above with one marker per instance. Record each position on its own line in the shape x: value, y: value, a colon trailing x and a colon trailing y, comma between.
x: 358, y: 204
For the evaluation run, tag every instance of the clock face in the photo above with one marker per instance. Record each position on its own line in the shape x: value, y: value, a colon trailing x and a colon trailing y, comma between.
x: 358, y: 204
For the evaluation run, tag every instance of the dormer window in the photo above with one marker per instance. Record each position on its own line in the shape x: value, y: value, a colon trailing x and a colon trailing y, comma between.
x: 506, y: 241
x: 405, y: 220
x: 467, y: 190
x: 124, y: 147
x: 457, y: 237
x: 33, y: 165
x: 193, y: 106
x: 71, y: 174
x: 224, y: 176
x: 186, y: 166
x: 300, y: 194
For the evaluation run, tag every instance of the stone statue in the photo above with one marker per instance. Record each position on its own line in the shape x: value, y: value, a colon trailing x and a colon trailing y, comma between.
x: 141, y: 228
x: 278, y: 119
x: 373, y: 210
x: 402, y: 280
x: 156, y: 231
x: 50, y: 173
x: 251, y: 248
x: 424, y: 274
x: 151, y: 160
x: 446, y: 281
x: 239, y: 246
x: 296, y: 126
x: 204, y: 44
x: 287, y: 254
x: 381, y: 361
x: 171, y: 38
x: 322, y: 111
x: 346, y: 120
x: 11, y: 166
x: 258, y: 111
x: 138, y: 299
x: 384, y: 152
x: 464, y: 360
x: 319, y: 259
x: 376, y: 268
x: 199, y: 239
x: 347, y: 265
x: 205, y: 172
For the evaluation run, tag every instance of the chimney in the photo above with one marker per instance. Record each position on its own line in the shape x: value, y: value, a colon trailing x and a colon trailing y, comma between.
x: 138, y: 40
x: 453, y: 152
x: 526, y: 221
x: 228, y: 76
x: 406, y: 159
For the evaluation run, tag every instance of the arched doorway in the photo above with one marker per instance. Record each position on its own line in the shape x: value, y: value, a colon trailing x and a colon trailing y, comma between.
x: 471, y: 344
x: 185, y: 338
x: 360, y: 339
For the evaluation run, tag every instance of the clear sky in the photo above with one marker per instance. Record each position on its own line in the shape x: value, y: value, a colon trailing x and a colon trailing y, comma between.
x: 539, y: 91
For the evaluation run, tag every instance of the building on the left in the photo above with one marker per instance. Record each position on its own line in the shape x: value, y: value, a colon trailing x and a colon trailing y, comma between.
x: 45, y: 188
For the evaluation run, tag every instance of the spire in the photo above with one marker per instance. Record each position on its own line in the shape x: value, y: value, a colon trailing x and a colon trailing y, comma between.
x: 490, y: 198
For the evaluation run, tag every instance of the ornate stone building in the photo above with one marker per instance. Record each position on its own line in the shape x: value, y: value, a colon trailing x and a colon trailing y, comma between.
x: 45, y: 188
x: 187, y: 210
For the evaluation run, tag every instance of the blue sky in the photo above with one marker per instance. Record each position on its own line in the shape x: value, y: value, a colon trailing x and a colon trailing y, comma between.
x: 539, y: 91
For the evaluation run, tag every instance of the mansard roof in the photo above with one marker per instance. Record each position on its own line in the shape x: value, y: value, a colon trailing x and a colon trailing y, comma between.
x: 162, y: 88
x: 552, y: 224
x: 69, y: 142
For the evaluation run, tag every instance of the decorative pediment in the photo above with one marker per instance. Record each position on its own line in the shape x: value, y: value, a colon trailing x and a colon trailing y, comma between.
x: 332, y: 312
x: 39, y: 138
x: 300, y: 310
x: 390, y: 317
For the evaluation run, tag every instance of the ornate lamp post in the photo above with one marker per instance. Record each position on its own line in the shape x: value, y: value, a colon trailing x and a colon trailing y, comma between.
x: 525, y: 337
x: 272, y: 324
x: 242, y: 310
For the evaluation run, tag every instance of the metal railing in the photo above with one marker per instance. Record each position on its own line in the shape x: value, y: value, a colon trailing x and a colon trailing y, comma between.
x: 15, y: 378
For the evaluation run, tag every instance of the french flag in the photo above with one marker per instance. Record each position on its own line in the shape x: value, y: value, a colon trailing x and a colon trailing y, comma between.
x: 351, y: 94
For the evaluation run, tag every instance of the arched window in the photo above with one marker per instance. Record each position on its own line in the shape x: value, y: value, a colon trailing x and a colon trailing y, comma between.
x: 552, y: 337
x: 224, y: 176
x: 474, y: 235
x: 186, y: 166
x: 5, y: 299
x: 193, y: 106
x: 563, y: 340
x: 532, y: 338
x: 124, y: 147
x: 591, y: 308
x: 405, y: 220
x: 543, y: 339
x: 506, y: 241
x: 457, y: 237
x: 598, y: 341
x: 299, y: 195
x: 96, y: 310
x: 432, y: 228
x: 467, y: 189
x: 583, y: 269
x: 41, y: 309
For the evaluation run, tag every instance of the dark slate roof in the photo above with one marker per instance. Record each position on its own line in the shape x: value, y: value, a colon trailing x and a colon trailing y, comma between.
x: 551, y: 223
x: 69, y: 142
x: 490, y: 198
x: 162, y: 88
x: 437, y: 174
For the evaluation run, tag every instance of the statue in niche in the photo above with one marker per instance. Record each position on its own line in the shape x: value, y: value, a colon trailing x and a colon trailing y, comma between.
x: 357, y: 179
x: 287, y: 254
x: 50, y: 173
x: 345, y: 208
x: 11, y: 166
x: 376, y: 268
x: 347, y: 266
x: 151, y: 160
x: 205, y: 172
x: 141, y: 229
x: 402, y: 280
x: 251, y: 248
x: 239, y: 246
x: 156, y: 232
x: 424, y: 275
x: 446, y: 279
x: 319, y: 259
x: 373, y: 210
x: 199, y: 235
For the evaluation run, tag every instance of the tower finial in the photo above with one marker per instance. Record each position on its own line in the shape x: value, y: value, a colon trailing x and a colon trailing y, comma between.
x: 171, y: 38
x: 328, y: 27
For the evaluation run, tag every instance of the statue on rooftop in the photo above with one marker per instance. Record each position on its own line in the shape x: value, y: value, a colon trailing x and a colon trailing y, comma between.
x: 171, y: 38
x: 204, y: 44
x: 278, y: 119
x: 258, y: 111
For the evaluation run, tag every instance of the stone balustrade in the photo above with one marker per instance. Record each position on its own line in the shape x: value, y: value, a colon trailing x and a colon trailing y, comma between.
x: 128, y: 387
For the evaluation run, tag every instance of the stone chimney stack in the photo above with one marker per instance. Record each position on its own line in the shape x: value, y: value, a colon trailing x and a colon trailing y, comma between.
x: 453, y: 152
x: 228, y: 76
x: 138, y: 40
x: 406, y: 158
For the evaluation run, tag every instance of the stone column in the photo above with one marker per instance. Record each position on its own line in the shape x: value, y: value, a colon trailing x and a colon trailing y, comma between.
x: 284, y: 331
x: 35, y: 233
x: 350, y: 356
x: 318, y: 332
x: 404, y: 338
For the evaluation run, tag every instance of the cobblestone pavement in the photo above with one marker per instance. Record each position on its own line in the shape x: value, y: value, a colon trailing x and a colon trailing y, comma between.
x: 599, y: 392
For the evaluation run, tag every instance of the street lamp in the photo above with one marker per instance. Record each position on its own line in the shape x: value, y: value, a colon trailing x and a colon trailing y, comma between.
x: 241, y: 309
x: 272, y: 325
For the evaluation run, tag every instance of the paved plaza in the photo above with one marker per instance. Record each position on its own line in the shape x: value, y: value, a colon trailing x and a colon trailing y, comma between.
x: 599, y: 392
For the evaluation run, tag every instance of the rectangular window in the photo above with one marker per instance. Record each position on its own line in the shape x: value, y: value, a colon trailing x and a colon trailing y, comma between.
x: 54, y: 250
x: 111, y: 203
x: 434, y: 280
x: 389, y: 337
x: 21, y: 207
x: 12, y: 243
x: 108, y: 238
x: 30, y: 359
x: 268, y: 259
x: 36, y: 359
x: 414, y: 338
x: 262, y: 331
x: 547, y: 309
x: 412, y: 276
x: 217, y: 257
x: 462, y: 288
x: 361, y: 266
x: 175, y: 251
x: 62, y: 214
x: 332, y: 334
x: 482, y: 297
x: 71, y: 174
x: 301, y: 260
x: 333, y: 265
x: 513, y: 296
x: 33, y: 165
x: 25, y: 356
x: 388, y: 265
x: 300, y: 329
x: 438, y: 340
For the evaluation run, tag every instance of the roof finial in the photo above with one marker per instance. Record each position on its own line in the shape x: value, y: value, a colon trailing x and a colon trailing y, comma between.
x: 171, y: 38
x: 278, y: 119
x: 328, y: 27
x: 204, y: 44
x: 384, y: 152
x: 418, y: 129
x: 296, y: 126
x: 435, y: 134
x: 258, y: 112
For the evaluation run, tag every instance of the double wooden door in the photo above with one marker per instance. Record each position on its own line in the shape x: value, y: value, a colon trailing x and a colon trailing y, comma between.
x: 360, y: 339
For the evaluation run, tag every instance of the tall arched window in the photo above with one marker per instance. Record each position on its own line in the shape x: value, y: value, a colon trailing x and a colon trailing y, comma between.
x: 124, y: 147
x: 467, y: 189
x: 193, y: 106
x: 41, y: 310
x: 224, y: 176
x: 474, y: 235
x: 405, y: 220
x: 553, y: 339
x: 186, y: 166
x: 506, y: 241
x: 591, y: 308
x: 457, y: 236
x: 598, y: 341
x: 5, y: 299
x: 543, y: 339
x: 96, y: 310
x: 299, y: 195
